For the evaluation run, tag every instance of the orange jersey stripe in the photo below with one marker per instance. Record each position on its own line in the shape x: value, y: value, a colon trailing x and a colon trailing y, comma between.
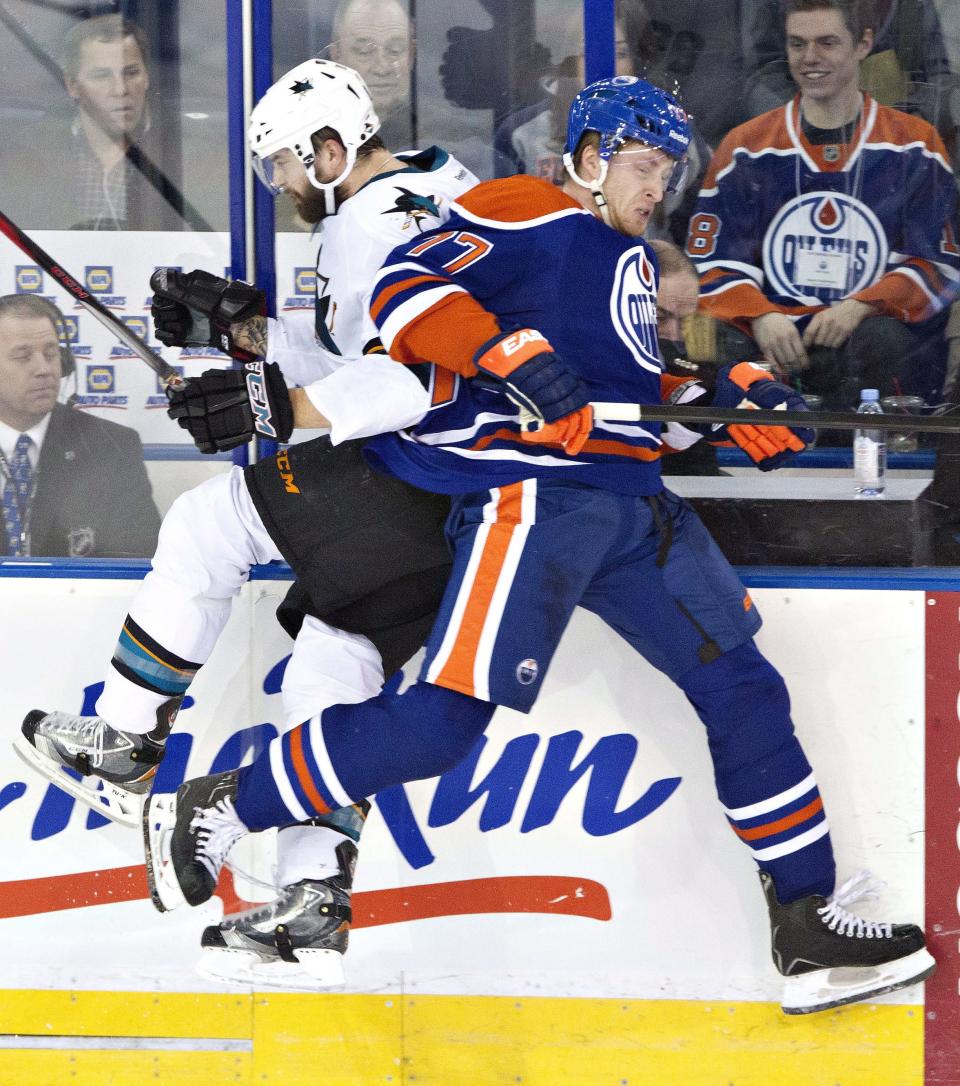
x: 781, y: 824
x: 741, y: 304
x: 766, y: 130
x: 449, y: 333
x: 620, y: 448
x: 515, y: 199
x: 303, y: 773
x: 457, y: 672
x: 897, y: 295
x: 387, y: 293
x: 602, y: 447
x: 498, y: 435
x: 443, y: 381
x: 898, y: 128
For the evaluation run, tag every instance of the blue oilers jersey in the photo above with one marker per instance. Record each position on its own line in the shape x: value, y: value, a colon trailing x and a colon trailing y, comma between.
x: 784, y: 225
x: 518, y: 253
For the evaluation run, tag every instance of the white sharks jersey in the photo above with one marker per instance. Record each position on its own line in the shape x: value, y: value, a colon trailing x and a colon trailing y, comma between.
x: 389, y: 210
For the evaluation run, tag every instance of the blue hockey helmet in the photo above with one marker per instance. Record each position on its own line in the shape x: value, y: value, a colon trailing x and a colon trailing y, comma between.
x: 628, y: 108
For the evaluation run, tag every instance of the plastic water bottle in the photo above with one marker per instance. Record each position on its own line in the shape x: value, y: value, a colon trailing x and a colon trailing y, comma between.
x: 869, y: 450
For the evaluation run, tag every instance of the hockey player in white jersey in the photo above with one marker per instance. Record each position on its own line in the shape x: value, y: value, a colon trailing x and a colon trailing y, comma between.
x: 368, y: 551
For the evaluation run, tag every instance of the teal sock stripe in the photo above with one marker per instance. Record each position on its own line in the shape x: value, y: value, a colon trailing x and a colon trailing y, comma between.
x: 139, y: 659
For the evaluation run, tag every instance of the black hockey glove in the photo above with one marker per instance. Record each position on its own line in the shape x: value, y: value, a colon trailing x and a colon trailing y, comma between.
x: 196, y: 309
x: 225, y: 408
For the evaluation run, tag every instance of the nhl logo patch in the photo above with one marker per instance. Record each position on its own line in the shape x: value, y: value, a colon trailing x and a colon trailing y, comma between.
x: 527, y: 672
x: 831, y: 153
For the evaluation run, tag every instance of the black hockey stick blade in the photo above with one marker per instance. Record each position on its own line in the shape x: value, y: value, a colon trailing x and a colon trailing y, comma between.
x: 831, y: 420
x: 170, y: 378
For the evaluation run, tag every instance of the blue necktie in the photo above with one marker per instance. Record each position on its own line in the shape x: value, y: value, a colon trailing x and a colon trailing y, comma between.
x: 16, y: 496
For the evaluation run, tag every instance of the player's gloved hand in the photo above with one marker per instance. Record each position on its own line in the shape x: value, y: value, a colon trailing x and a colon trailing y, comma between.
x: 745, y: 386
x: 572, y: 431
x: 542, y: 385
x: 224, y: 408
x: 196, y: 309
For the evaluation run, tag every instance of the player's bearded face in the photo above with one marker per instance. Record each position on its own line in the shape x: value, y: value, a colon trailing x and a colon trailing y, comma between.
x: 290, y: 175
x: 309, y: 201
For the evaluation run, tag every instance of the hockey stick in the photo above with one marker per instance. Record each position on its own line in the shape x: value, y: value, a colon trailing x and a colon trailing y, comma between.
x: 835, y: 420
x: 167, y: 374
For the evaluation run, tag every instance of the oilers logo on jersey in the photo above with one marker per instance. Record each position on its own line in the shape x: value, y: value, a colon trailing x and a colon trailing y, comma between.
x: 823, y: 246
x: 633, y: 308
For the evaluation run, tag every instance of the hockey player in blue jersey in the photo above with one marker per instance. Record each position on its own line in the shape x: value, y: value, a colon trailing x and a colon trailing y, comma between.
x: 535, y: 298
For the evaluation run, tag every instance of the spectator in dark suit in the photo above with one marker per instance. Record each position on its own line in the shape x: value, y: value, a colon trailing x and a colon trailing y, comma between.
x: 72, y: 485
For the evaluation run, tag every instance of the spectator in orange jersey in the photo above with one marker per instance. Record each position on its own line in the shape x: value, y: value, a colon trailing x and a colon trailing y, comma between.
x: 824, y: 230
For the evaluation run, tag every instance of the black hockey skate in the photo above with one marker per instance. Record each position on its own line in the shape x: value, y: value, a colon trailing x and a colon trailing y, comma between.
x: 123, y: 764
x: 296, y: 941
x: 830, y: 956
x: 187, y: 836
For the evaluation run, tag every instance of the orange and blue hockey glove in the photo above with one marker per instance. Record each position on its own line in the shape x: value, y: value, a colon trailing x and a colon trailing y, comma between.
x: 745, y: 386
x: 542, y: 385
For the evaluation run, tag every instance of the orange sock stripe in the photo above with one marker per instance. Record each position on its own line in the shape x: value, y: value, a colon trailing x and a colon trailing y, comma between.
x: 303, y: 773
x: 771, y: 828
x: 457, y: 672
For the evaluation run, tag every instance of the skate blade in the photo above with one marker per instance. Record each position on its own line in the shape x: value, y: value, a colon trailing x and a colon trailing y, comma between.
x: 107, y: 799
x: 828, y: 988
x: 316, y: 971
x: 159, y: 819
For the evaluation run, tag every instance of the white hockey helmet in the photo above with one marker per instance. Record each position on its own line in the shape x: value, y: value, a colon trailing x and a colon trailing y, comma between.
x: 315, y: 94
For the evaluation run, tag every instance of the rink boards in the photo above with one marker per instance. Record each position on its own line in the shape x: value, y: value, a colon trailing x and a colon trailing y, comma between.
x: 567, y: 906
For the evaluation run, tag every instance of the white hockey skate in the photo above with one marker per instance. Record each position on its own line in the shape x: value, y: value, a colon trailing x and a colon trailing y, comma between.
x: 296, y: 941
x: 187, y: 836
x: 830, y: 957
x: 118, y: 768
